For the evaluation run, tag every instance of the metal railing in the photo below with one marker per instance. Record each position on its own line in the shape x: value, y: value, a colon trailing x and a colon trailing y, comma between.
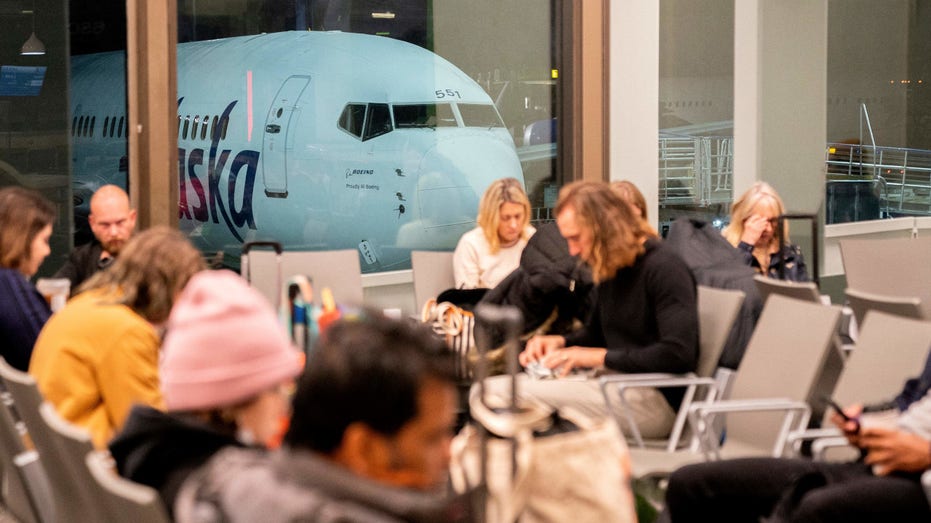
x: 695, y: 170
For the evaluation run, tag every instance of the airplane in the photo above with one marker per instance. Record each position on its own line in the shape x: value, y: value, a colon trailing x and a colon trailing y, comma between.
x: 318, y: 140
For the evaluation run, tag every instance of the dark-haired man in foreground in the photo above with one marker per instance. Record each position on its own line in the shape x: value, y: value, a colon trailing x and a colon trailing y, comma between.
x: 368, y: 441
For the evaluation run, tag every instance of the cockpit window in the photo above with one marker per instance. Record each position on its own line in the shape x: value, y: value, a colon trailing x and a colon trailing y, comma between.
x: 480, y: 115
x: 423, y: 115
x: 378, y: 122
x: 352, y: 119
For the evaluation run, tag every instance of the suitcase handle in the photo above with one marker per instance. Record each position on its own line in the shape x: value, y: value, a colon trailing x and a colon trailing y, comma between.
x: 511, y: 321
x: 246, y: 270
x: 248, y: 246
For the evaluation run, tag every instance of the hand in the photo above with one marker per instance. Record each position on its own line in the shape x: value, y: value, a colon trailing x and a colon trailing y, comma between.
x: 850, y: 428
x: 538, y: 347
x: 891, y: 450
x: 754, y: 226
x: 574, y: 357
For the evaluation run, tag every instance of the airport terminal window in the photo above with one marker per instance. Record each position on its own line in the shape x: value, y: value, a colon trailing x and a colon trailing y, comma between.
x: 353, y: 119
x: 423, y: 115
x: 878, y: 111
x: 696, y: 110
x: 378, y: 121
x: 479, y: 115
x: 487, y: 65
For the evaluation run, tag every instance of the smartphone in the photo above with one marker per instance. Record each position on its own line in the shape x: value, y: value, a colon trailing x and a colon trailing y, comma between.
x: 833, y: 404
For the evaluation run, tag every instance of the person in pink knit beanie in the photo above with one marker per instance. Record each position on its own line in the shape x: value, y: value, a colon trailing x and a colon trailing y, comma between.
x: 227, y: 370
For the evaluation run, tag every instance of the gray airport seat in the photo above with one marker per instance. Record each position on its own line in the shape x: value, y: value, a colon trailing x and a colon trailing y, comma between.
x: 433, y: 274
x: 339, y: 270
x: 889, y: 350
x: 123, y: 500
x: 890, y: 266
x: 806, y: 291
x: 25, y: 489
x: 861, y: 302
x: 779, y: 372
x: 68, y: 448
x: 72, y: 501
x: 717, y: 311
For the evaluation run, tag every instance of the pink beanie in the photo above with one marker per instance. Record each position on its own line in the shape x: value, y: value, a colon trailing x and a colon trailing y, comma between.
x: 224, y: 345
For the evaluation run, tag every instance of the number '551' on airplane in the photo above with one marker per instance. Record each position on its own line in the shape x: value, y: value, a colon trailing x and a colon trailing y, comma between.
x: 319, y: 140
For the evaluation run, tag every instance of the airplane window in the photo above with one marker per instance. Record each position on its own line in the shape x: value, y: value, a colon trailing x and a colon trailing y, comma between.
x: 112, y: 126
x: 480, y: 115
x: 213, y: 128
x: 87, y: 124
x: 352, y: 119
x: 119, y: 131
x: 93, y: 121
x: 424, y: 115
x: 379, y: 121
x: 194, y: 127
x: 203, y: 128
x: 226, y: 123
x: 187, y: 123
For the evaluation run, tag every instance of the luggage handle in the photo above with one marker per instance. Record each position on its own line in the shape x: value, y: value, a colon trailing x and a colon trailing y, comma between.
x: 246, y: 270
x: 510, y: 320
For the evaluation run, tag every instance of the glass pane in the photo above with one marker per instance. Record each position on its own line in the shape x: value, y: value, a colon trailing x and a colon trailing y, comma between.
x: 379, y: 121
x: 424, y: 115
x: 352, y: 119
x: 457, y: 95
x: 696, y: 101
x: 98, y: 89
x: 36, y: 126
x: 879, y: 143
x: 475, y: 115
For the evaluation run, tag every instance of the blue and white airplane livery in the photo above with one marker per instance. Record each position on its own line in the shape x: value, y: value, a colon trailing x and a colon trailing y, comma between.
x: 319, y: 140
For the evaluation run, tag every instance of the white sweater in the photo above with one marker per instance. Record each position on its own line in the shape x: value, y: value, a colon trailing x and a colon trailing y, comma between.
x: 475, y: 267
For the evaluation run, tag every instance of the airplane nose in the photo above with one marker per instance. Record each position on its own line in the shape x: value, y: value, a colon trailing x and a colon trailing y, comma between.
x: 467, y: 165
x: 453, y: 174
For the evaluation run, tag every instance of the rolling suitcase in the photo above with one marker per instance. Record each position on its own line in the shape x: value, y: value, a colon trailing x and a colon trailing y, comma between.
x: 531, y: 463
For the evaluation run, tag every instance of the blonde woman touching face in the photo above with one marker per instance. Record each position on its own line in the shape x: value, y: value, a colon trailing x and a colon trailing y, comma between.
x: 754, y: 232
x: 490, y: 252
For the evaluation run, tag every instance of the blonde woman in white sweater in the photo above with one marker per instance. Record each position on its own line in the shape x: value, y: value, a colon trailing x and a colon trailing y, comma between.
x: 490, y: 252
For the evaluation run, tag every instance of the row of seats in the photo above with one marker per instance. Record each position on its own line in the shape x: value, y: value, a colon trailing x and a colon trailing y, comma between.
x: 51, y: 471
x: 792, y: 360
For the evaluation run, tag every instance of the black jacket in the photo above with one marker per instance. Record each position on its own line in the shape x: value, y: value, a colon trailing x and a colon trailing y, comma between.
x: 82, y: 263
x: 716, y: 263
x: 547, y: 279
x: 160, y: 450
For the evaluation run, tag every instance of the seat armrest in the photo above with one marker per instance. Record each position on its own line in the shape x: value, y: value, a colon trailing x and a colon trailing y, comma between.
x: 702, y: 414
x: 623, y: 382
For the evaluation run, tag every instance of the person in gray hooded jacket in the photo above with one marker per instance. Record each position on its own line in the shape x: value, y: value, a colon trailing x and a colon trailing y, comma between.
x: 369, y: 439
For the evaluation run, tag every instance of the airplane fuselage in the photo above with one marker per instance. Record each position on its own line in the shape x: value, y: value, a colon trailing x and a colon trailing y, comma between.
x: 317, y: 140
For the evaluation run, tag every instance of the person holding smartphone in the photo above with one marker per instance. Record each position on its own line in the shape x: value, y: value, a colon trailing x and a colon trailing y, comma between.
x: 884, y: 485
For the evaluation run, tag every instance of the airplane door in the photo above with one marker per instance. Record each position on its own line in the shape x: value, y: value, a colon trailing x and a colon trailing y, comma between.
x: 275, y: 143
